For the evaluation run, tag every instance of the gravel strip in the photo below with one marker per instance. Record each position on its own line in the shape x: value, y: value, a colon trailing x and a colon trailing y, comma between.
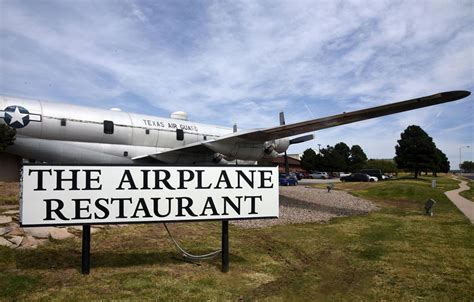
x: 300, y: 204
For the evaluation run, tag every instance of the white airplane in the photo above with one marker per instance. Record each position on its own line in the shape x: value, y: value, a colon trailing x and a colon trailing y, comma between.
x: 63, y: 133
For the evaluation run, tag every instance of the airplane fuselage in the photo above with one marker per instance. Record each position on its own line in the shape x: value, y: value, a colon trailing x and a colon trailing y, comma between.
x: 64, y: 133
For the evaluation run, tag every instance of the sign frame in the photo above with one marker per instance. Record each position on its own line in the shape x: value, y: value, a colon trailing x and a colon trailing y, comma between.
x: 164, y: 166
x: 86, y: 227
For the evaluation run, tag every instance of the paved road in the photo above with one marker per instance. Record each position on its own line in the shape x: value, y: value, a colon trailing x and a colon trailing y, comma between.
x: 307, y: 181
x: 465, y: 205
x: 468, y: 175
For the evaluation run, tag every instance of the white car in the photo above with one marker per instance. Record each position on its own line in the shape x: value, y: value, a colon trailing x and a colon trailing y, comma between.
x: 373, y: 178
x: 319, y: 175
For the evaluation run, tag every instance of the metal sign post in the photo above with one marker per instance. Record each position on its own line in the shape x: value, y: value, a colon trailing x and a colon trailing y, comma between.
x: 225, y: 246
x: 86, y: 249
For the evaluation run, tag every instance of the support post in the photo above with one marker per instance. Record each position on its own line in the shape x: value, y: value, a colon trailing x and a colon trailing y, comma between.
x: 86, y: 249
x: 225, y: 246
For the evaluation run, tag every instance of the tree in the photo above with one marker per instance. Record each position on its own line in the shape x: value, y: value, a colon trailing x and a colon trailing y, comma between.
x: 384, y: 165
x: 358, y: 158
x: 467, y: 166
x: 415, y: 150
x: 441, y: 163
x: 7, y: 136
x: 340, y: 158
x: 342, y: 155
x: 308, y: 160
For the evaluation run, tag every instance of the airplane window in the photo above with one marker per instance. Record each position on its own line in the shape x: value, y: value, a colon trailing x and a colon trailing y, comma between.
x: 147, y: 131
x: 63, y: 122
x: 108, y: 127
x: 179, y: 134
x: 125, y: 153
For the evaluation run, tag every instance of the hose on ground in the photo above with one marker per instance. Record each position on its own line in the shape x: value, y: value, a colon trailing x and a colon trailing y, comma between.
x: 189, y: 255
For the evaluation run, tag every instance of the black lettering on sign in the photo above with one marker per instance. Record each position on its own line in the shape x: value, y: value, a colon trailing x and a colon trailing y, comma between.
x: 248, y: 180
x: 102, y: 208
x: 39, y: 183
x: 121, y: 205
x: 228, y: 201
x: 183, y: 179
x: 264, y: 179
x: 199, y: 180
x: 79, y: 208
x: 141, y: 206
x: 89, y: 180
x: 223, y: 177
x: 60, y: 180
x: 159, y: 180
x: 127, y: 178
x: 156, y: 209
x: 209, y: 205
x: 186, y: 207
x: 253, y: 199
x: 57, y: 210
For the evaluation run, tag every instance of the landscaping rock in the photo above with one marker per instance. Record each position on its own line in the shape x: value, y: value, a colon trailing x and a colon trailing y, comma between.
x: 5, y: 230
x: 5, y: 219
x: 11, y: 212
x: 39, y: 232
x: 29, y: 242
x: 16, y: 240
x: 16, y: 231
x: 4, y: 242
x: 60, y: 234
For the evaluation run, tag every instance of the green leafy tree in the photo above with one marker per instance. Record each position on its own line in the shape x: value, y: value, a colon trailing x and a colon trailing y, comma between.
x: 384, y: 165
x: 415, y: 150
x: 330, y: 160
x: 358, y: 159
x: 343, y: 154
x: 467, y: 166
x: 441, y: 163
x: 308, y: 160
x: 7, y: 136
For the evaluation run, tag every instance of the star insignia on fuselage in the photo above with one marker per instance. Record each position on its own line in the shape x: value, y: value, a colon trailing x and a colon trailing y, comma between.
x: 18, y: 116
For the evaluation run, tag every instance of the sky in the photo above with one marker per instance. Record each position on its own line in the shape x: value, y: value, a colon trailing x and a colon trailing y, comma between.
x: 226, y: 62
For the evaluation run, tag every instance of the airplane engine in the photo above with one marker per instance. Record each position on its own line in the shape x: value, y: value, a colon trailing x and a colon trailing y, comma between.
x: 281, y: 145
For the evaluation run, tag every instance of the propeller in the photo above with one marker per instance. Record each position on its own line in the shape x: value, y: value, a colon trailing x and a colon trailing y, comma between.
x: 301, y: 139
x: 285, y: 157
x: 296, y: 140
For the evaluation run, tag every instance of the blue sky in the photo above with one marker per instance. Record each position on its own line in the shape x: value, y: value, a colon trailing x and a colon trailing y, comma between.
x: 242, y: 62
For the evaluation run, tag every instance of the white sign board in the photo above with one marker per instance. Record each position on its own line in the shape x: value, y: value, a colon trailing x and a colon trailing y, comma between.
x: 75, y: 195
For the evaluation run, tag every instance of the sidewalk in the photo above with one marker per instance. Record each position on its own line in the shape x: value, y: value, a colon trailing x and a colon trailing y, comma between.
x: 466, y: 206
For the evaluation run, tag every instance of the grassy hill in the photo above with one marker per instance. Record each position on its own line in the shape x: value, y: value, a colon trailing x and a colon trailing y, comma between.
x: 395, y: 253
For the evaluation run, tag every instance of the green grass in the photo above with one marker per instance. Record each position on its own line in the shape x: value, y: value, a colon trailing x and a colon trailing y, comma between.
x: 395, y: 253
x: 469, y: 194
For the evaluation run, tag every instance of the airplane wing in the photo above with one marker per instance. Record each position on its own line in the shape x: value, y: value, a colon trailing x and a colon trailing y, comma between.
x: 268, y: 134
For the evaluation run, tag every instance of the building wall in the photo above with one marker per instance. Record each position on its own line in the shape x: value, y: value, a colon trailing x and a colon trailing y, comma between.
x: 10, y: 167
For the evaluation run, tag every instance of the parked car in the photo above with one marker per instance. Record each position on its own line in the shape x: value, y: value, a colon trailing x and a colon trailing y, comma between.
x: 356, y: 177
x: 373, y: 178
x: 373, y: 172
x: 287, y: 180
x: 319, y: 175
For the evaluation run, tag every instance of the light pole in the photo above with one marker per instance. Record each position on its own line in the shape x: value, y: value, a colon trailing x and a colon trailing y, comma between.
x: 460, y: 161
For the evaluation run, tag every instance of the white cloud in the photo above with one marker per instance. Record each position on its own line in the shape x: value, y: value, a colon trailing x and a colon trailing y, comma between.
x: 245, y: 61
